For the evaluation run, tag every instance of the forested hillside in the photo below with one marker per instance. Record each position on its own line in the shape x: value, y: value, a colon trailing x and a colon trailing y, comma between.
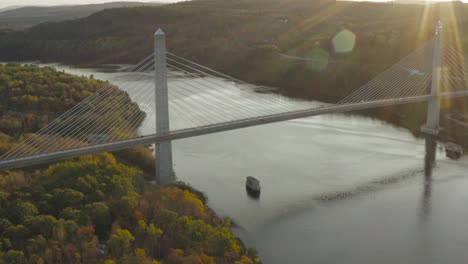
x: 94, y: 209
x: 32, y: 15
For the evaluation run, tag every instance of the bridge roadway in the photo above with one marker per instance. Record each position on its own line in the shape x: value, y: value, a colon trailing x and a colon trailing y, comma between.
x: 204, y: 130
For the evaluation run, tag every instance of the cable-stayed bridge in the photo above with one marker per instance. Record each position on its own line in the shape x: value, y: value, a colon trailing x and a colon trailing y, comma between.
x: 218, y: 103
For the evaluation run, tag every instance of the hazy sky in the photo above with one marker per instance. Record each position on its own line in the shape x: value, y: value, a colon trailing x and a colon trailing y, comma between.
x: 6, y: 3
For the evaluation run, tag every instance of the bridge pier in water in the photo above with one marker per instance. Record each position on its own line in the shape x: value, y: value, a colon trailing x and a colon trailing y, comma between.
x: 431, y: 128
x: 164, y: 167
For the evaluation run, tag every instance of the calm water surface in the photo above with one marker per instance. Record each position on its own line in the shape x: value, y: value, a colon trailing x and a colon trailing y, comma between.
x: 335, y: 189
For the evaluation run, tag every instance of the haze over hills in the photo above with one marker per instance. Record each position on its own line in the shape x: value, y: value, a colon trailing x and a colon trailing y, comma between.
x: 32, y: 15
x: 9, y: 8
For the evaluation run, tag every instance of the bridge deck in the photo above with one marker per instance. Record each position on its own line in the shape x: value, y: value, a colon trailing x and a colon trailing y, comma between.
x: 198, y: 131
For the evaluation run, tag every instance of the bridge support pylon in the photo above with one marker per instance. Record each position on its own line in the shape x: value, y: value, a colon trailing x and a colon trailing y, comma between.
x: 164, y: 167
x: 431, y: 128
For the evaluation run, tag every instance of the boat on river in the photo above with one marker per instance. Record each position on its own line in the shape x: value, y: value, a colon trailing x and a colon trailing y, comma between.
x: 453, y: 151
x: 252, y: 185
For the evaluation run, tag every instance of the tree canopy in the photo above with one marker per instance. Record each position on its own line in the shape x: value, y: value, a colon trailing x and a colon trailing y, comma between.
x: 94, y: 209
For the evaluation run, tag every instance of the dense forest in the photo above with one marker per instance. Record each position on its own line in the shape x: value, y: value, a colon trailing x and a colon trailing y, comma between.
x: 33, y: 96
x: 95, y: 209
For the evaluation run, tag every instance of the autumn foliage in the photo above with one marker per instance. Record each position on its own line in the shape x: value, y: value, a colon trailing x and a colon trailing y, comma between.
x: 94, y: 209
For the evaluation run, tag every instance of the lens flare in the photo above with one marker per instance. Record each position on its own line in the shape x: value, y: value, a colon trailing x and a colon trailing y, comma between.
x: 344, y: 41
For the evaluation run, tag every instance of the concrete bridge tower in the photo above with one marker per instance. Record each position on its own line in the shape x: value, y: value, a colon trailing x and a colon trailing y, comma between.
x: 431, y: 128
x: 164, y: 168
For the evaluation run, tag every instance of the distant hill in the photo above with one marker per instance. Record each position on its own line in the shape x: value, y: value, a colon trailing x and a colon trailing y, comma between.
x: 9, y: 8
x: 32, y: 15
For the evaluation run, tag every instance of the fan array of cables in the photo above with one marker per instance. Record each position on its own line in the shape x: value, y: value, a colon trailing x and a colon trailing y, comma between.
x: 108, y: 115
x: 200, y: 96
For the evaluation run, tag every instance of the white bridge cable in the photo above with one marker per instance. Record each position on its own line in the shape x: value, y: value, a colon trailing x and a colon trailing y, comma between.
x: 225, y: 97
x: 216, y: 74
x: 239, y: 106
x: 180, y: 106
x: 414, y: 85
x: 187, y: 97
x: 400, y: 82
x: 192, y: 113
x: 187, y: 109
x: 65, y: 117
x: 77, y: 125
x: 136, y: 68
x: 254, y: 98
x: 60, y: 139
x: 122, y: 102
x: 417, y: 87
x: 222, y: 75
x: 384, y: 80
x: 211, y: 95
x: 260, y: 99
x: 251, y: 99
x: 71, y: 114
x: 251, y: 105
x: 455, y: 62
x: 459, y: 60
x: 201, y: 96
x: 204, y: 114
x: 383, y: 86
x: 182, y: 95
x: 454, y: 71
x: 109, y: 122
x: 418, y: 84
x: 63, y: 141
x: 55, y: 126
x: 213, y: 98
x: 450, y: 84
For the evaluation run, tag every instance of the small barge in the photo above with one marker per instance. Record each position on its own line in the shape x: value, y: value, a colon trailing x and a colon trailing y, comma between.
x: 252, y: 185
x: 453, y: 151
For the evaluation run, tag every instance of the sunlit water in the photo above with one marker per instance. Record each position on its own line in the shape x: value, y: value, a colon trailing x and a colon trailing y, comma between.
x: 335, y: 189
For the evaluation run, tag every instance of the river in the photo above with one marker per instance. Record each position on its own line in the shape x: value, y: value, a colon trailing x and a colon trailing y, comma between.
x: 335, y: 189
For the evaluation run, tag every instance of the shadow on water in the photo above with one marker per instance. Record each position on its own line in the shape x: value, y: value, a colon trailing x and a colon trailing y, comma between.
x: 374, y: 186
x: 426, y: 200
x: 365, y: 189
x: 429, y: 164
